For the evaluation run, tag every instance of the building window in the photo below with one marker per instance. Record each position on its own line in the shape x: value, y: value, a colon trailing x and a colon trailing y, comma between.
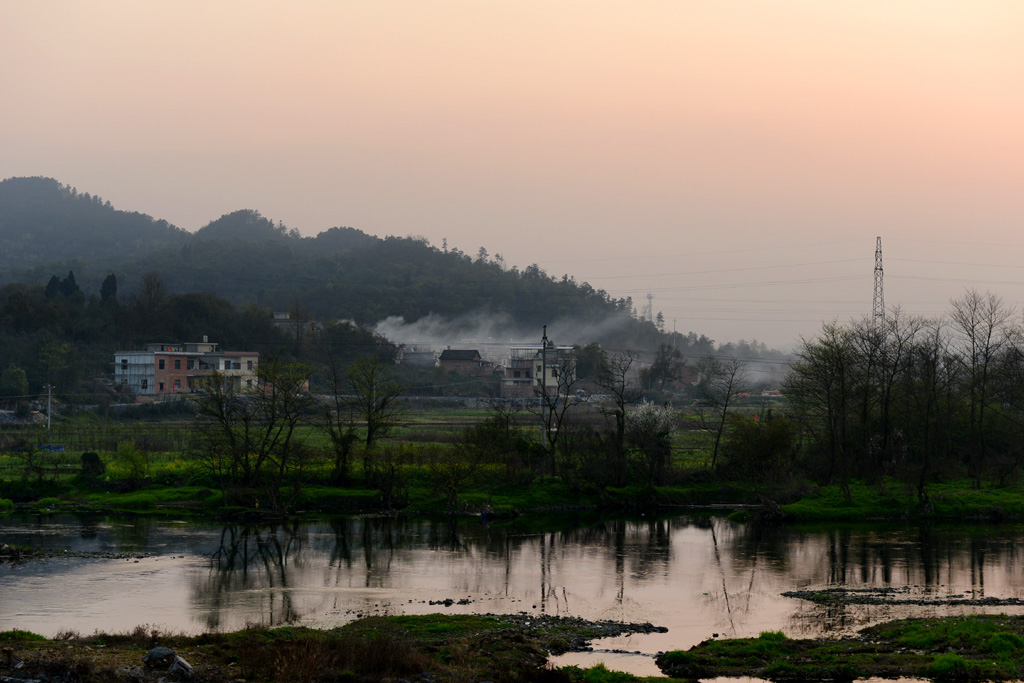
x: 124, y: 365
x: 248, y: 383
x: 161, y: 386
x: 145, y: 383
x: 515, y: 373
x: 177, y: 364
x: 161, y: 363
x: 177, y: 384
x: 191, y: 364
x: 248, y: 365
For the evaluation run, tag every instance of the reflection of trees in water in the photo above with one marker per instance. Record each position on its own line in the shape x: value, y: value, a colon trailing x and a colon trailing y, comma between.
x: 926, y: 556
x: 133, y: 533
x: 742, y: 567
x: 252, y: 558
x: 636, y: 552
x: 89, y: 528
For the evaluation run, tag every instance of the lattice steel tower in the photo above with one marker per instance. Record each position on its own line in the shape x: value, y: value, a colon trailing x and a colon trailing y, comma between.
x: 878, y: 304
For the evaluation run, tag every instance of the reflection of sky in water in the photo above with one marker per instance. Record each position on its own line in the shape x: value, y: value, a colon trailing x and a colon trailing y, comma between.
x: 696, y: 576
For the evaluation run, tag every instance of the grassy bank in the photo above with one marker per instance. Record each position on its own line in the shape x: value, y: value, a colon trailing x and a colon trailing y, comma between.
x: 428, y: 467
x: 505, y: 497
x: 438, y: 648
x: 972, y: 648
x: 514, y: 649
x: 946, y: 500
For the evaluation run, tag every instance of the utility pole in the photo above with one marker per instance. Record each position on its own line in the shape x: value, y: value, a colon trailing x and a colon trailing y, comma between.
x: 544, y: 388
x: 49, y: 403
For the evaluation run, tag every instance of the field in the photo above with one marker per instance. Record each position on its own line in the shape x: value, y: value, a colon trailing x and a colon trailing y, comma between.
x: 427, y: 464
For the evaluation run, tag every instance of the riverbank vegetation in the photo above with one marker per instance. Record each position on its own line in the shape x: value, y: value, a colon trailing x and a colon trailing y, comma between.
x: 437, y: 648
x: 896, y: 419
x: 968, y: 648
x: 515, y: 648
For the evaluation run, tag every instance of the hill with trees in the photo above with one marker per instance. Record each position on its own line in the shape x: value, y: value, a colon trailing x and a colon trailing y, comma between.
x: 43, y: 222
x: 84, y: 279
x: 341, y: 274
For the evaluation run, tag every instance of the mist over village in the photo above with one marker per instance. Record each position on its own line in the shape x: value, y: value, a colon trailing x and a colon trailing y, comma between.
x: 451, y: 342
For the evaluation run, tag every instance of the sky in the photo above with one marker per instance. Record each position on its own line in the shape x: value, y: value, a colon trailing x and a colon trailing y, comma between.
x: 733, y: 161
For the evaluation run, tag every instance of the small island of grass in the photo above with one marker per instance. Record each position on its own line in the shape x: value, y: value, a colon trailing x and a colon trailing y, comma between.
x: 968, y: 648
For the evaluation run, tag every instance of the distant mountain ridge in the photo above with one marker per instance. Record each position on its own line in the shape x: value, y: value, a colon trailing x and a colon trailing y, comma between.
x: 47, y: 228
x: 43, y: 221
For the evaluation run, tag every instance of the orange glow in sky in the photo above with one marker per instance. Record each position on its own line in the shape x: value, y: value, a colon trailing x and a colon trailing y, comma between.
x: 703, y: 151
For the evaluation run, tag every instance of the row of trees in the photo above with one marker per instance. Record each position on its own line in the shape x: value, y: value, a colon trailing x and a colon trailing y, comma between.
x: 913, y: 396
x: 249, y: 439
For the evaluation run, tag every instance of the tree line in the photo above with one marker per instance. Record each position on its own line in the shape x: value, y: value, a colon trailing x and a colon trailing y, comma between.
x: 914, y: 397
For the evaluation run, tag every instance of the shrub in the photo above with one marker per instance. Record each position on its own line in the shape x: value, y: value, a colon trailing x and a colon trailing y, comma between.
x: 6, y: 505
x: 92, y: 466
x: 134, y: 462
x: 772, y: 636
x: 18, y: 634
x: 949, y: 667
x: 1002, y: 642
x: 739, y: 516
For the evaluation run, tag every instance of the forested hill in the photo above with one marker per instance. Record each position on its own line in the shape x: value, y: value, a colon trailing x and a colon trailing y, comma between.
x: 42, y: 222
x: 50, y: 229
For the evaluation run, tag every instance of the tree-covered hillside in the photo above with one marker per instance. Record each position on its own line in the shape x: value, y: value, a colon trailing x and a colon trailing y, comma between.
x: 42, y: 222
x: 341, y: 274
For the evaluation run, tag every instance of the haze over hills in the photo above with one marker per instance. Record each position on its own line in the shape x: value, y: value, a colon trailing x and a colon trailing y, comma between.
x: 403, y: 287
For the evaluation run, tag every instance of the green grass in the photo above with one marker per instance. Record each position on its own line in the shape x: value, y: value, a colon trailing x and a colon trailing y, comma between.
x: 983, y: 647
x: 950, y: 500
x: 600, y: 673
x: 19, y: 635
x: 436, y: 625
x: 174, y: 480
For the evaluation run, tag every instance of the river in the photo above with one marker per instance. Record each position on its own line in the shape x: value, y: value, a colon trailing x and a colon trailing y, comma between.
x: 699, y: 576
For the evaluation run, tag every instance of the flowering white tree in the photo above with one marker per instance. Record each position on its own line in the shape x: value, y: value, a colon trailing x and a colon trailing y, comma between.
x: 649, y: 428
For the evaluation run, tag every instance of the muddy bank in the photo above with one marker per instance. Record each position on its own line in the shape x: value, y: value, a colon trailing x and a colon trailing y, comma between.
x: 21, y: 553
x: 974, y: 648
x: 419, y: 649
x: 903, y: 595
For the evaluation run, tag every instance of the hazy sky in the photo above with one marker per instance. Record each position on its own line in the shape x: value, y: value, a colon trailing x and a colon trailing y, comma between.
x: 734, y: 159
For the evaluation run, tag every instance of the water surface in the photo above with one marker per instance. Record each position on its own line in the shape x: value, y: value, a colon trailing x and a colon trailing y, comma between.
x: 701, y: 577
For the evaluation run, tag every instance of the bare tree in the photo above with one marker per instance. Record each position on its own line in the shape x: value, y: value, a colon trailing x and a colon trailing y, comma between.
x: 556, y: 402
x: 822, y: 386
x: 338, y: 424
x: 928, y: 385
x: 981, y: 323
x: 248, y: 437
x: 883, y: 352
x: 616, y: 377
x: 374, y: 397
x: 721, y: 382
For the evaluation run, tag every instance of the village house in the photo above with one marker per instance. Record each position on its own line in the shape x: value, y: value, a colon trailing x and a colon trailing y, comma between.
x: 532, y: 367
x: 465, y: 362
x: 164, y: 369
x: 413, y: 358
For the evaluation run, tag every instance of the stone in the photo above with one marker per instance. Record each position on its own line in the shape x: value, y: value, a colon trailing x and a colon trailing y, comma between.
x: 181, y: 669
x: 159, y: 658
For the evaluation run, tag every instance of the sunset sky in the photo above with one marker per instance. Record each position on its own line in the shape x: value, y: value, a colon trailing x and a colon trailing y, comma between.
x: 734, y: 159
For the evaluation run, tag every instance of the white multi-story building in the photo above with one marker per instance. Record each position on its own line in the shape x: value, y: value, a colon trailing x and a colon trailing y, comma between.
x: 532, y: 367
x: 175, y: 368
